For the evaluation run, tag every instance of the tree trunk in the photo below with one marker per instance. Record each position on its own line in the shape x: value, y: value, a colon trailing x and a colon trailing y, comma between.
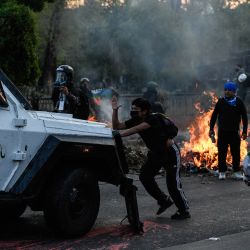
x: 49, y: 65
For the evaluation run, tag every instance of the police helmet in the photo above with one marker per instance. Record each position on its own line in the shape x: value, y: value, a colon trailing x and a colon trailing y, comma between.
x: 64, y: 76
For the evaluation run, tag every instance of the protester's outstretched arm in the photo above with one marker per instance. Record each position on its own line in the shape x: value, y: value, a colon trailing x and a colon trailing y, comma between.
x: 136, y: 129
x: 115, y: 120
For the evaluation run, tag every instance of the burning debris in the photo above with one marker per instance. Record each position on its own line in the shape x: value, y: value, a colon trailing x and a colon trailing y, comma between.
x: 200, y: 154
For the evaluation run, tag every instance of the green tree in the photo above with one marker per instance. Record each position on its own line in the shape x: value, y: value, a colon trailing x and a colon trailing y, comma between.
x: 18, y: 43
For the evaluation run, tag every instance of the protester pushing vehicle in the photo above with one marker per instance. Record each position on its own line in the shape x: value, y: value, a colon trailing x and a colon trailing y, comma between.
x: 163, y: 152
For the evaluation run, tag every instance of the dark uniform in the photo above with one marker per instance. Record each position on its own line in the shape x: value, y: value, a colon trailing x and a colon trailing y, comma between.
x: 64, y: 103
x: 229, y: 118
x: 160, y: 156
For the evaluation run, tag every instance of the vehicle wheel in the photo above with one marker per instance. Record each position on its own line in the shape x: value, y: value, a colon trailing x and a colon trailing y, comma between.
x: 12, y: 211
x: 72, y: 203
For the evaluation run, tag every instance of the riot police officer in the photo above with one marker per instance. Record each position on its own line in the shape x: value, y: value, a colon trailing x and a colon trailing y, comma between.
x: 63, y: 99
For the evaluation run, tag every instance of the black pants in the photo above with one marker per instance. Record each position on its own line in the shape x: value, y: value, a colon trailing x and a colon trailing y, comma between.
x: 171, y: 162
x: 232, y: 139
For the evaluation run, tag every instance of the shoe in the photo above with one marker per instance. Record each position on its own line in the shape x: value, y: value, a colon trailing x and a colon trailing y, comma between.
x: 222, y: 176
x: 164, y: 206
x: 181, y: 216
x: 237, y: 175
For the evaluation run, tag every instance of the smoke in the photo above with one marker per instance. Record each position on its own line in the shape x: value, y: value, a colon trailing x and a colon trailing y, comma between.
x: 145, y: 40
x: 106, y: 111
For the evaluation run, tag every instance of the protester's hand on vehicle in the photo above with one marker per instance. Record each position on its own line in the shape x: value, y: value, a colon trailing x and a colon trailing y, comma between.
x: 114, y: 103
x: 244, y: 136
x: 116, y: 133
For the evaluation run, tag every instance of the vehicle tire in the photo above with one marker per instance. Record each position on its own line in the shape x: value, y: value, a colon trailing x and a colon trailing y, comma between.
x: 12, y: 210
x: 72, y: 203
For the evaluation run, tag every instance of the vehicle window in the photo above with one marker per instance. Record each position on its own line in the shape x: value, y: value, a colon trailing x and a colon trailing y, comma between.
x: 3, y: 99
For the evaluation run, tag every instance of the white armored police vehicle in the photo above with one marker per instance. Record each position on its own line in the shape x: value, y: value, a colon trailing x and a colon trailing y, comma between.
x: 52, y: 163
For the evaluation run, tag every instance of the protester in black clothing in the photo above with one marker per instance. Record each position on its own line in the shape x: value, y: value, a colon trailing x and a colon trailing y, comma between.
x: 63, y: 99
x: 230, y: 110
x: 162, y: 152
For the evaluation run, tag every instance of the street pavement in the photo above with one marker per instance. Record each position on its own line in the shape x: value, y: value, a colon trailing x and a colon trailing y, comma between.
x: 220, y: 220
x: 229, y: 242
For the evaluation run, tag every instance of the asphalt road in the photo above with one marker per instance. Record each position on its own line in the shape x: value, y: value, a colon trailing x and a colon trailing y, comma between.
x: 218, y: 208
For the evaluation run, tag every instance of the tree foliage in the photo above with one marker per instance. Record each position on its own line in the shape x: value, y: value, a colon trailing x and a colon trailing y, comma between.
x: 18, y: 43
x: 18, y: 40
x: 36, y: 5
x: 144, y: 40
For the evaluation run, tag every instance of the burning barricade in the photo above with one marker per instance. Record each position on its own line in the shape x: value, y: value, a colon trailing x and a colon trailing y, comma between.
x: 200, y: 153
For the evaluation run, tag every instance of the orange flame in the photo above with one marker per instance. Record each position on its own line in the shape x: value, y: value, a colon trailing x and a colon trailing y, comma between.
x: 92, y: 118
x: 200, y: 150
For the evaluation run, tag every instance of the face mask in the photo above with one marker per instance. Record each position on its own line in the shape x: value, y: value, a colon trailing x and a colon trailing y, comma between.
x: 134, y: 114
x: 231, y: 100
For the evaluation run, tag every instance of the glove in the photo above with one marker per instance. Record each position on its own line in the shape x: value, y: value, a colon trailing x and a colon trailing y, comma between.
x: 244, y: 136
x: 116, y: 133
x: 211, y: 135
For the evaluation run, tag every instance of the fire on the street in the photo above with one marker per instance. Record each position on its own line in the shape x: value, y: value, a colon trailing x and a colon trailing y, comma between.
x: 92, y: 118
x: 199, y: 151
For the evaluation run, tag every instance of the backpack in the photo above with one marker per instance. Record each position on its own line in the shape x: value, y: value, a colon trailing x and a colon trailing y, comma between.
x: 169, y: 128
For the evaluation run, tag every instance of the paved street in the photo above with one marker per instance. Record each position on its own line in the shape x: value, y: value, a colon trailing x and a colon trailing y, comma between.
x: 220, y: 216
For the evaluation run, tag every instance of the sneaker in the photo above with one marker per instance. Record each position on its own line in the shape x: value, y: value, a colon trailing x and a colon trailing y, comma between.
x: 237, y: 175
x: 222, y: 176
x: 164, y: 206
x: 181, y: 216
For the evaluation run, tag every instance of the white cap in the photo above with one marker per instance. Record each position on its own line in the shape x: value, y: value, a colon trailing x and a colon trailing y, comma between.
x: 242, y: 77
x: 84, y: 79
